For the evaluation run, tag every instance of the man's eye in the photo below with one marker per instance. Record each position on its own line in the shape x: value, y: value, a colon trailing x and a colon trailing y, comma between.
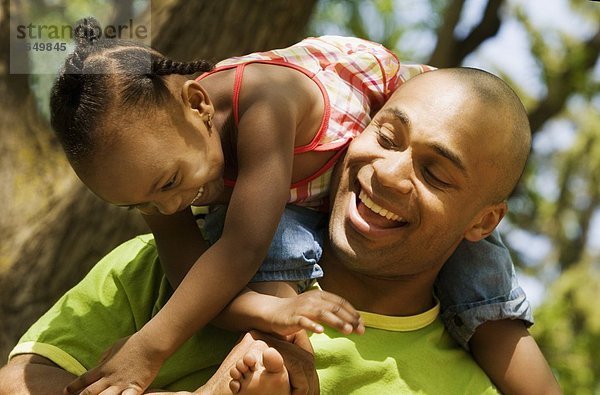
x: 385, y: 141
x: 433, y: 180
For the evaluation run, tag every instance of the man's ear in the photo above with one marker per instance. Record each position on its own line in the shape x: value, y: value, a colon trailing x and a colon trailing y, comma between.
x: 196, y: 98
x: 486, y: 221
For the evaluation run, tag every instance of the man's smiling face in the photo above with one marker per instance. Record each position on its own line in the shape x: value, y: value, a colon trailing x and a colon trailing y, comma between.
x: 416, y: 180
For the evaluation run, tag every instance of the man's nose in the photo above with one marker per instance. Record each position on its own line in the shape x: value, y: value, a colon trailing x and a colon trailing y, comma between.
x: 395, y: 171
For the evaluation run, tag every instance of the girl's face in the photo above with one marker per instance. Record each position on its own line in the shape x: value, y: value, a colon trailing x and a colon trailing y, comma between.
x: 161, y: 161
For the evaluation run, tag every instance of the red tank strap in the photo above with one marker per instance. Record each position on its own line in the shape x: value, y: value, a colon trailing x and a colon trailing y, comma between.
x: 237, y: 86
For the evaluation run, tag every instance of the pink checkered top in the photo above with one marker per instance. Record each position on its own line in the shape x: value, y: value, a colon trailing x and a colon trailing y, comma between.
x: 355, y: 76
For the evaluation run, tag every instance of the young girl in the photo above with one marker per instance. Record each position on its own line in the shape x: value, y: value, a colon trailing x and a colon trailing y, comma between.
x: 140, y: 134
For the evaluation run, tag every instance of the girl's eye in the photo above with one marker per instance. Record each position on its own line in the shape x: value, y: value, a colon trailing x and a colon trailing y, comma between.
x: 169, y: 183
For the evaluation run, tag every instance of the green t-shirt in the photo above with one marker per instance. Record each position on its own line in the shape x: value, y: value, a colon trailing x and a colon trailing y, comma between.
x: 125, y: 289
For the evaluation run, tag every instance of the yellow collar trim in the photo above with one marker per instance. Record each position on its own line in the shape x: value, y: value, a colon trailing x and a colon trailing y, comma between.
x: 401, y: 324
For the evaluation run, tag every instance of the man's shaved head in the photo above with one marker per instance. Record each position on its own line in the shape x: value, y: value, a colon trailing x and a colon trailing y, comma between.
x: 508, y: 111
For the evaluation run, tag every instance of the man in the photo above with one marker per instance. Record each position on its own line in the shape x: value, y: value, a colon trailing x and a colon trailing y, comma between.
x: 434, y: 167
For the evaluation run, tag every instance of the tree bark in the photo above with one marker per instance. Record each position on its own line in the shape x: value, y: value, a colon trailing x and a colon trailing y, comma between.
x: 53, y: 230
x: 186, y: 30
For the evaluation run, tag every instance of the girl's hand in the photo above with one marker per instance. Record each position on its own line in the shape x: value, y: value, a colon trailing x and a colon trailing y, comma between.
x: 127, y: 367
x: 310, y: 310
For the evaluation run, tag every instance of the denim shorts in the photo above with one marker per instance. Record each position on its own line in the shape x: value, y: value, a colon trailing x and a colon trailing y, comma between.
x: 296, y: 247
x: 478, y: 284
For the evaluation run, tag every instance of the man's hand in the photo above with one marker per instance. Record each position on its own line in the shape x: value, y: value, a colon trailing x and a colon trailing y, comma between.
x: 32, y: 374
x: 127, y: 367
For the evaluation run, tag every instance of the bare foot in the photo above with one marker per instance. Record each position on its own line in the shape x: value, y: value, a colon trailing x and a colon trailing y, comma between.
x: 219, y: 383
x: 260, y: 371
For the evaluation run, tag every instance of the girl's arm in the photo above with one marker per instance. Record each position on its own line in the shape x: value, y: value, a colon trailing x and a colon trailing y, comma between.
x: 179, y: 243
x: 509, y: 355
x: 265, y: 145
x: 265, y: 155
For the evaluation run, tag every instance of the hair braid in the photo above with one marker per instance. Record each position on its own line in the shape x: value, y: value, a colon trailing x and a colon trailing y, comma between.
x: 74, y: 62
x: 102, y: 72
x: 87, y: 31
x: 166, y: 66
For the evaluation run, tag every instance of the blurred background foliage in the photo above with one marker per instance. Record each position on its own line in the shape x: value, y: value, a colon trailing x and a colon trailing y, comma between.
x: 548, y: 52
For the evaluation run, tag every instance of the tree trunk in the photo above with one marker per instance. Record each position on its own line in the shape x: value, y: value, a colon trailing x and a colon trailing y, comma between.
x: 53, y: 230
x: 187, y: 30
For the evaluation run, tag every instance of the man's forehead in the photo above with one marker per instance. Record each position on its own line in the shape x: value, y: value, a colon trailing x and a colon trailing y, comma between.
x: 448, y: 134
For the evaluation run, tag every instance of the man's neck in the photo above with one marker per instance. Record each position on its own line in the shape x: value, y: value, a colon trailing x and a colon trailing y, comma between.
x: 400, y: 296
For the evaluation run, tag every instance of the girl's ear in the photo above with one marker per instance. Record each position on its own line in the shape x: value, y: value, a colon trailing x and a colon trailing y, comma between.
x: 196, y: 98
x: 486, y: 221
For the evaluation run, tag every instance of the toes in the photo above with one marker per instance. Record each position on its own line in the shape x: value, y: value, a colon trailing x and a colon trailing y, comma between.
x: 250, y: 360
x: 272, y: 361
x: 235, y: 374
x: 235, y: 386
x: 241, y: 367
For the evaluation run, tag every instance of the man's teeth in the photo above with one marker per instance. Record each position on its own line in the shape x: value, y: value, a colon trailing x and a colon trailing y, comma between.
x: 378, y: 209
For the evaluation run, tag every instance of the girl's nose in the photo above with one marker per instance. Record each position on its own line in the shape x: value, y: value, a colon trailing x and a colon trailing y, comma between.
x: 167, y: 205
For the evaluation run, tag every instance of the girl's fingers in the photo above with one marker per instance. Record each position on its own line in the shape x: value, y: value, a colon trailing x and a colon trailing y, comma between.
x: 332, y: 320
x: 328, y: 309
x: 340, y: 306
x: 309, y: 325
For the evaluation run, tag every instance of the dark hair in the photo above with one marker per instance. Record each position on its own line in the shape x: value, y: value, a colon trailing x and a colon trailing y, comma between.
x: 101, y: 73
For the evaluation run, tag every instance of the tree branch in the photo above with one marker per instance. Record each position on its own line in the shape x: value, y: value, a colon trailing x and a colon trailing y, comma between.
x: 563, y: 84
x: 444, y: 53
x: 487, y: 27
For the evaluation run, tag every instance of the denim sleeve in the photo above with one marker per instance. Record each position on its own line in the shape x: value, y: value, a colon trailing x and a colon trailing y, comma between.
x: 478, y: 283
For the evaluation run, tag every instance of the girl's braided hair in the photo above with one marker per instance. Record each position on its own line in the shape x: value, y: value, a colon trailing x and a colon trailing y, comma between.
x: 106, y: 72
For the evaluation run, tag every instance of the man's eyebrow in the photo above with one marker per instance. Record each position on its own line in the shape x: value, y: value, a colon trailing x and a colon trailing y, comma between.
x: 398, y: 114
x: 437, y: 147
x: 451, y: 156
